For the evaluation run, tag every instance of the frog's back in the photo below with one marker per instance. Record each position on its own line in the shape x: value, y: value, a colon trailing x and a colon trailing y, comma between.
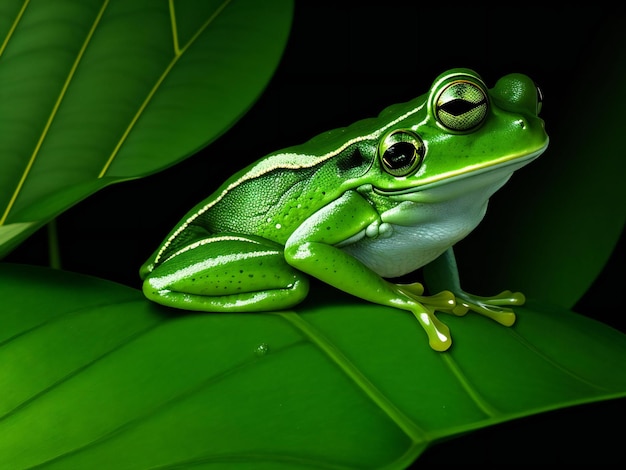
x: 253, y: 201
x: 272, y: 197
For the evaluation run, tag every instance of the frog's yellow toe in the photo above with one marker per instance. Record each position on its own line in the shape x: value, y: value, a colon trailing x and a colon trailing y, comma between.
x: 438, y: 333
x: 507, y: 298
x: 506, y: 318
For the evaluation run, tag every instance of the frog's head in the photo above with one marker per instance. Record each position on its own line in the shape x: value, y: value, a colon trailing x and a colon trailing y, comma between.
x: 459, y: 129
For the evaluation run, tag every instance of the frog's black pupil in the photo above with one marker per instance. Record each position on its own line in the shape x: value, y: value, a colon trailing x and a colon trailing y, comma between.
x: 459, y: 106
x: 400, y: 155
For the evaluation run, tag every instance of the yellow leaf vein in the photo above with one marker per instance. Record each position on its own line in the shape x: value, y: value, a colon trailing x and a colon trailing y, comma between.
x: 161, y: 79
x: 55, y: 109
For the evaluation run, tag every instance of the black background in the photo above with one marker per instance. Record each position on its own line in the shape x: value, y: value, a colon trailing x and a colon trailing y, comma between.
x: 346, y: 62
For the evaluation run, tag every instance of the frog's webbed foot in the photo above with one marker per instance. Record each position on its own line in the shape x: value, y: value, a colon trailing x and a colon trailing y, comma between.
x: 424, y: 310
x: 459, y: 303
x: 444, y: 301
x: 494, y: 307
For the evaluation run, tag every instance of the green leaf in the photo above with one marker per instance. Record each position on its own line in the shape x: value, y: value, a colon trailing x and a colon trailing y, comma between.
x: 94, y: 375
x: 100, y: 91
x: 569, y: 210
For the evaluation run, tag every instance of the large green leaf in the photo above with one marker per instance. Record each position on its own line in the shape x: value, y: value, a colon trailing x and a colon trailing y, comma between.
x: 567, y: 208
x: 98, y: 91
x: 94, y: 376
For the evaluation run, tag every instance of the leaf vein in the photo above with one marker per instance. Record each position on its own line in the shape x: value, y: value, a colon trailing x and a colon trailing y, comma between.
x: 13, y: 27
x: 476, y: 397
x: 63, y: 315
x: 78, y: 370
x: 53, y: 113
x: 163, y: 406
x: 174, y: 28
x: 535, y: 350
x: 248, y: 458
x: 408, y: 426
x: 155, y: 88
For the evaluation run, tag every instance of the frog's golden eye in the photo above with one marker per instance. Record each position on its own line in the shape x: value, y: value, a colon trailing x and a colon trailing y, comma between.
x: 401, y: 152
x: 461, y: 106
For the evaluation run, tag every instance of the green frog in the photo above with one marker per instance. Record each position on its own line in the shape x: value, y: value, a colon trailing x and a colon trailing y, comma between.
x: 358, y: 207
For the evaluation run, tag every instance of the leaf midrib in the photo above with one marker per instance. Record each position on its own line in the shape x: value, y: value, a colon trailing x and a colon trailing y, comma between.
x: 178, y: 53
x: 408, y: 426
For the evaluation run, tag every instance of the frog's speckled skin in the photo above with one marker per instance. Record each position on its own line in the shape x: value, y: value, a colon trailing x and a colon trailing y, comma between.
x: 351, y: 207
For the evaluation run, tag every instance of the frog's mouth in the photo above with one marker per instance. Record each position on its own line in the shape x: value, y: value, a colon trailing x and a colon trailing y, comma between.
x: 451, y: 185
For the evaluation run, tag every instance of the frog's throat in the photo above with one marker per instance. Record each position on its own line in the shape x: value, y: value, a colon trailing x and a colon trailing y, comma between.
x: 502, y: 166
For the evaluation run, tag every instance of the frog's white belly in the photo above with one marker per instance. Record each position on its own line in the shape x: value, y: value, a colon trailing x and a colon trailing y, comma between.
x: 422, y: 231
x: 411, y: 247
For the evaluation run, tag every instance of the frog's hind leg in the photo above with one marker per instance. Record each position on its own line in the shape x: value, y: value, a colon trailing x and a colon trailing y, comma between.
x: 227, y: 273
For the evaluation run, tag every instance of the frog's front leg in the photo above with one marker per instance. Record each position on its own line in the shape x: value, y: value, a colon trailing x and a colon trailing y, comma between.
x: 443, y: 273
x: 312, y: 249
x: 227, y: 273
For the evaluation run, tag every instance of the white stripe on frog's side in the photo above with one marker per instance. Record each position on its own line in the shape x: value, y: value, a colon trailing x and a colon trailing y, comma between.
x: 427, y: 223
x: 270, y: 163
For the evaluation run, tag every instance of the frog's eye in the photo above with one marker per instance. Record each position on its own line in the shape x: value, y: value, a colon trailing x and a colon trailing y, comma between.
x: 461, y: 106
x: 401, y: 152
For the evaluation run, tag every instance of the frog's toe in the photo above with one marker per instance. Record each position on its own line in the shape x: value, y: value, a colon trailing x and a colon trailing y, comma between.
x: 438, y: 332
x: 503, y: 316
x: 413, y: 289
x: 493, y: 307
x: 507, y: 297
x: 444, y: 301
x: 460, y: 309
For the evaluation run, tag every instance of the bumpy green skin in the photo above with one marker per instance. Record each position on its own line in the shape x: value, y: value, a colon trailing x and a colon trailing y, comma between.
x: 356, y: 205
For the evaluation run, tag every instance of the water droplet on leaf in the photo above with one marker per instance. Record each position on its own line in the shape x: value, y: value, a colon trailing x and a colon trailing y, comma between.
x: 262, y: 349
